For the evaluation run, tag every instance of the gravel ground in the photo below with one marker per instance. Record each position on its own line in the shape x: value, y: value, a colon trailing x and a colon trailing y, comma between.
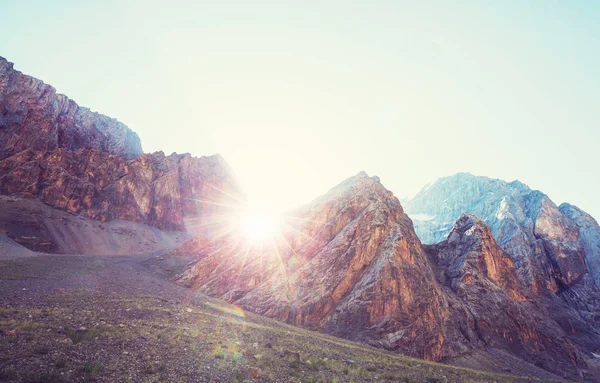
x: 121, y: 319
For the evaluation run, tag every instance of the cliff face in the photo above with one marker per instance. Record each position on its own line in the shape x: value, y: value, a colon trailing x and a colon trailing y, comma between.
x: 588, y: 232
x: 34, y: 116
x: 85, y: 163
x: 501, y: 312
x: 350, y: 264
x: 154, y: 189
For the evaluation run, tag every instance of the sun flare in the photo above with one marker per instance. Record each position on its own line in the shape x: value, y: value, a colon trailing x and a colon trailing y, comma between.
x: 258, y: 226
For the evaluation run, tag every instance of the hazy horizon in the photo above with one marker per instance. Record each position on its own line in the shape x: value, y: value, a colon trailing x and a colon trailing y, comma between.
x: 298, y: 98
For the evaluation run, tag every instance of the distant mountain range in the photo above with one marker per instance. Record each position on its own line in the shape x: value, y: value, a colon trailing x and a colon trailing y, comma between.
x: 552, y: 246
x: 487, y: 274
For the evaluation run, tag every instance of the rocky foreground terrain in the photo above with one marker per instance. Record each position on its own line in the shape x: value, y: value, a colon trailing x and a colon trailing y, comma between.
x: 488, y: 275
x: 121, y: 319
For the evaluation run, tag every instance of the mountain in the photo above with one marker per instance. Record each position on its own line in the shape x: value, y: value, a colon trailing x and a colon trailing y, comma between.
x: 555, y: 249
x: 543, y: 242
x: 501, y: 313
x: 350, y: 264
x: 85, y: 163
x: 34, y: 116
x: 506, y: 288
x: 154, y: 189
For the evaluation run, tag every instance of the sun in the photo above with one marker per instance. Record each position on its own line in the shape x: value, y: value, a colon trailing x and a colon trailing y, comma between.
x: 258, y: 226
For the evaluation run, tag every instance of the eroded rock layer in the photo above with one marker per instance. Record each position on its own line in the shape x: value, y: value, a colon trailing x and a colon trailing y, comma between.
x: 153, y: 189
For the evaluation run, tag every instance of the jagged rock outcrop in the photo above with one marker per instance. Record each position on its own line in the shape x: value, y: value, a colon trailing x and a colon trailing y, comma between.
x: 554, y: 249
x: 34, y: 116
x: 85, y: 163
x: 351, y: 265
x: 154, y: 189
x: 501, y: 313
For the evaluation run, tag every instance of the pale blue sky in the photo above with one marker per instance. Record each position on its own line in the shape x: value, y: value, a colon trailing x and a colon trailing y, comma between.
x: 300, y: 95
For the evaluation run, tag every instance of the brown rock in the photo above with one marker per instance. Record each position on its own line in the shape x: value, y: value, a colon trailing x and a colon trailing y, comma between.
x: 154, y: 189
x: 34, y: 116
x: 254, y: 372
x: 350, y: 265
x: 500, y: 312
x: 89, y: 164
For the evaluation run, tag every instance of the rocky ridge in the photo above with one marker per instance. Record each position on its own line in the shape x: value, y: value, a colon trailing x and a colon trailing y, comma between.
x: 86, y: 163
x: 501, y: 313
x: 34, y: 116
x: 351, y: 265
x: 556, y: 250
x: 154, y: 189
x: 543, y: 242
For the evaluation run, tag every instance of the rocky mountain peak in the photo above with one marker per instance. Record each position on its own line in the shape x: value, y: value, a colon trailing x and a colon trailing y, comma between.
x: 518, y: 185
x: 358, y: 186
x: 34, y: 116
x: 540, y: 239
x: 344, y: 254
x: 468, y: 224
x: 470, y: 251
x: 554, y: 249
x: 576, y: 214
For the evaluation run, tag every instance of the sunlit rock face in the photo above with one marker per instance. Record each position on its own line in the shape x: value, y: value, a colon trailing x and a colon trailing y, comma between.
x: 350, y: 264
x: 154, y: 189
x: 34, y: 116
x: 86, y: 163
x: 542, y: 241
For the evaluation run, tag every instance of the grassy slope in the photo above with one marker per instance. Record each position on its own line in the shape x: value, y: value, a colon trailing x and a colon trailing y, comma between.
x: 115, y: 319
